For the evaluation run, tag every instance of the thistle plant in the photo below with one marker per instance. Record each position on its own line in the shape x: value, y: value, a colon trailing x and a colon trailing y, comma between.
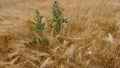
x: 39, y: 25
x: 57, y: 16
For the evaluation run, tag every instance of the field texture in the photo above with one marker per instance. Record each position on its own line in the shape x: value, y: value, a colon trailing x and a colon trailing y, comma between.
x: 90, y: 39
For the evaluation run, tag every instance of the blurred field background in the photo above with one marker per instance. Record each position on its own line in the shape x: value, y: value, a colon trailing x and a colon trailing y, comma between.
x: 91, y: 38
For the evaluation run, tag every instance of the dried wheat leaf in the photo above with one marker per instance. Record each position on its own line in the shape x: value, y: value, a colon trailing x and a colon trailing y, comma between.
x: 110, y: 38
x: 69, y: 52
x: 14, y: 60
x: 12, y: 54
x: 45, y: 62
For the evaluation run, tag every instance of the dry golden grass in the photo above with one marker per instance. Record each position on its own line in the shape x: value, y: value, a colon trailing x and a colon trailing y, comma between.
x: 91, y: 39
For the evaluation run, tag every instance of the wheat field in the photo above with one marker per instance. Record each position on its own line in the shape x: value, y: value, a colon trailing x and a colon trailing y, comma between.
x: 90, y: 39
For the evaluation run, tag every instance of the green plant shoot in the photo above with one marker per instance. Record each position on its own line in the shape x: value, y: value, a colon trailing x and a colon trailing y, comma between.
x: 57, y: 16
x: 39, y: 25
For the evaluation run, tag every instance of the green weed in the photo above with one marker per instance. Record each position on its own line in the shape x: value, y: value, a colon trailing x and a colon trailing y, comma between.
x: 57, y: 16
x: 39, y: 25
